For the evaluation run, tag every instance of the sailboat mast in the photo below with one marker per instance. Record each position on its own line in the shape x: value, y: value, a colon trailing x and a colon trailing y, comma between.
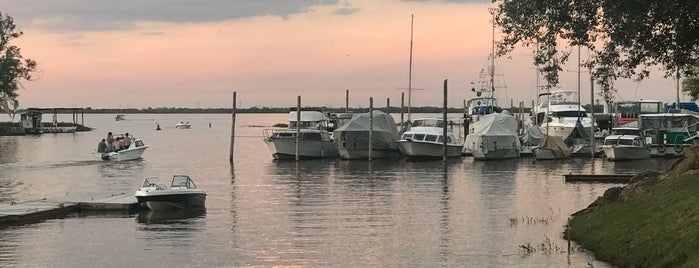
x: 410, y: 67
x: 492, y: 61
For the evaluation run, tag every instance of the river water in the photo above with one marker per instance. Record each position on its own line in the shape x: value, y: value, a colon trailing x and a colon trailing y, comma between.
x: 260, y: 212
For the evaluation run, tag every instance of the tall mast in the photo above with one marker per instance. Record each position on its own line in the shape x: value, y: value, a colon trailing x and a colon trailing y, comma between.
x: 492, y: 61
x: 410, y: 71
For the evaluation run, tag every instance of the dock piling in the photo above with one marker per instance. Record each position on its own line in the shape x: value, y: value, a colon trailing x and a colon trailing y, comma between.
x: 230, y: 159
x: 371, y: 125
x: 298, y: 127
x: 444, y: 127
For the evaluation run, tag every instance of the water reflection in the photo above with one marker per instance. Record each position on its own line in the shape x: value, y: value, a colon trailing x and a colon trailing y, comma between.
x: 8, y: 147
x: 177, y: 216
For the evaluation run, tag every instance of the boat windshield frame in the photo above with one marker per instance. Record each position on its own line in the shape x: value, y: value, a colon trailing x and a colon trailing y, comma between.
x: 182, y: 181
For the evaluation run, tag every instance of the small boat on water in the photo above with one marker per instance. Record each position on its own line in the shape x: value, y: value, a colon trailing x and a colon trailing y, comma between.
x: 353, y: 138
x: 183, y: 125
x: 134, y: 151
x: 625, y: 147
x: 315, y: 139
x: 181, y: 194
x: 425, y: 139
x: 119, y: 117
x: 551, y: 148
x: 494, y: 136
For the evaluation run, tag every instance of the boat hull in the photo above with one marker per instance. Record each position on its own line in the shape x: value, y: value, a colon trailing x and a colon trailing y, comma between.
x: 172, y: 201
x: 414, y: 149
x: 285, y: 149
x: 354, y: 154
x: 123, y: 155
x: 623, y: 153
x: 549, y: 154
x: 495, y: 154
x: 667, y: 151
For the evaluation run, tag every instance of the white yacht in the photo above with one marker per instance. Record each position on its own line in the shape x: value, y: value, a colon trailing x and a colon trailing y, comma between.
x: 315, y: 140
x: 181, y: 194
x: 494, y: 136
x: 559, y: 111
x: 183, y: 125
x: 425, y: 138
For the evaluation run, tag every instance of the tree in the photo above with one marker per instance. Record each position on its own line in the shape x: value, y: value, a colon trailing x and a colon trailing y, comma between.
x: 626, y: 38
x: 13, y: 67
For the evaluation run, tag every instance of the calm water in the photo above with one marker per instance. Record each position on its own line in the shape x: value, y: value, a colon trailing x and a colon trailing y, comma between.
x: 260, y: 212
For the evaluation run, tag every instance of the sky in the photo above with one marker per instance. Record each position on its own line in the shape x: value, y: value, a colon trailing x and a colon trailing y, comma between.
x: 195, y: 54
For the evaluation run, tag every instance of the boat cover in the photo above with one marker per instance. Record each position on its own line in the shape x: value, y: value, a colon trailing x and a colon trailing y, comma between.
x: 494, y: 131
x: 556, y: 145
x: 532, y: 135
x: 385, y: 133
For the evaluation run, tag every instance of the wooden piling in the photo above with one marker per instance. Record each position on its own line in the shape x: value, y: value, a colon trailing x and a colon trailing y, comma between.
x: 444, y: 127
x: 402, y: 100
x: 230, y: 159
x: 298, y: 127
x: 592, y: 115
x: 346, y: 100
x: 371, y: 125
x: 388, y: 105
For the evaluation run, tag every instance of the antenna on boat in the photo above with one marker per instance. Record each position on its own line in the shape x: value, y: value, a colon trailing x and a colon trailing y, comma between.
x: 410, y: 66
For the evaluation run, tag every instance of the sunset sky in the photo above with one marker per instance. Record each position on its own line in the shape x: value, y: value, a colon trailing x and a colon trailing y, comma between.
x: 181, y: 53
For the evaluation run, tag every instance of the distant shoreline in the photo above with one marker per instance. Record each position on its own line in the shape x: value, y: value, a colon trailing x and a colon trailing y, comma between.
x: 257, y: 110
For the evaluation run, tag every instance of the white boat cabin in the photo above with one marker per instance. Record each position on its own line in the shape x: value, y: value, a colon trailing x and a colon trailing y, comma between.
x: 624, y: 140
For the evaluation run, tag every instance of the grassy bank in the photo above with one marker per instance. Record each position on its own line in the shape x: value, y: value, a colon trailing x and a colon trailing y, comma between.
x: 657, y: 228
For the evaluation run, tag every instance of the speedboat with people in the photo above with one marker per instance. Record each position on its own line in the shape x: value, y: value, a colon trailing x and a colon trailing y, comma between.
x: 314, y: 136
x: 134, y: 150
x: 425, y: 138
x: 181, y: 194
x: 183, y: 125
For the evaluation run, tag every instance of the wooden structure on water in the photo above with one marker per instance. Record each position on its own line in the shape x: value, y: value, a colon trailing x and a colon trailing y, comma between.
x: 39, y: 210
x: 605, y: 178
x: 31, y: 120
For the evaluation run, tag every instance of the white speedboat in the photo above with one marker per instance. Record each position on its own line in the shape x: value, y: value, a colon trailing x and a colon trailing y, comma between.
x: 183, y: 125
x: 353, y: 138
x: 134, y: 151
x: 182, y: 193
x: 315, y: 141
x: 494, y: 136
x: 119, y: 117
x: 625, y: 147
x: 425, y: 138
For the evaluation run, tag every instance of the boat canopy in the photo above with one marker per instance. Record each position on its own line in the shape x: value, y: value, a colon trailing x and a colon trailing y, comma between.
x: 385, y: 133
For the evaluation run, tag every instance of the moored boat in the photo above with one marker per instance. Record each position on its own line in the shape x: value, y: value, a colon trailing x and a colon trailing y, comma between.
x: 353, y: 138
x: 667, y: 134
x: 494, y: 136
x: 182, y: 193
x: 425, y: 139
x: 183, y: 125
x: 315, y: 141
x: 551, y: 148
x: 625, y: 147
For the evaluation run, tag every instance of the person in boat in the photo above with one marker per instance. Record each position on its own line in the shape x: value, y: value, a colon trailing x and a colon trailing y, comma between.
x: 117, y: 144
x: 157, y: 126
x: 126, y: 141
x: 110, y: 141
x: 102, y: 147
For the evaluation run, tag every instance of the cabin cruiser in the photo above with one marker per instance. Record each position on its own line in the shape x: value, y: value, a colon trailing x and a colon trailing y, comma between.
x: 314, y: 135
x: 425, y: 138
x: 182, y: 193
x: 353, y: 138
x: 134, y: 151
x: 559, y: 112
x: 629, y: 146
x: 183, y: 125
x: 494, y: 136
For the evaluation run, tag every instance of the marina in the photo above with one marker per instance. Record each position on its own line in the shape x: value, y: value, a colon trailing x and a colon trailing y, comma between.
x: 307, y: 210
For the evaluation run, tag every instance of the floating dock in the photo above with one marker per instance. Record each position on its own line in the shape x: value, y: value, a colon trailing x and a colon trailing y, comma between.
x: 608, y: 178
x: 38, y: 210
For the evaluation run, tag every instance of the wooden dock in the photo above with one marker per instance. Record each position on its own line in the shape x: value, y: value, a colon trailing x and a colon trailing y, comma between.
x: 607, y: 178
x: 39, y: 210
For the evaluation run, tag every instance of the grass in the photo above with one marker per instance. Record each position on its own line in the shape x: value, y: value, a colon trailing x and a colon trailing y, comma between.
x: 659, y: 228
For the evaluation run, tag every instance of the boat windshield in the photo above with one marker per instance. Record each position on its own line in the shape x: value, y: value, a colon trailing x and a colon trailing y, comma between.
x: 182, y: 181
x: 151, y: 182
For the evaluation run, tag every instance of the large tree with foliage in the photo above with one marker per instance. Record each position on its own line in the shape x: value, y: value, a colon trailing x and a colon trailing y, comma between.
x: 13, y: 67
x: 627, y: 38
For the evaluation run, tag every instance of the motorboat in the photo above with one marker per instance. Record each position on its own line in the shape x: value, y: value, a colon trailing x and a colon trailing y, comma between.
x: 625, y: 147
x: 425, y: 138
x: 134, y: 151
x: 352, y: 139
x: 559, y: 112
x: 119, y: 117
x: 551, y: 148
x: 183, y: 125
x: 667, y: 134
x: 314, y: 135
x: 494, y: 136
x: 181, y: 194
